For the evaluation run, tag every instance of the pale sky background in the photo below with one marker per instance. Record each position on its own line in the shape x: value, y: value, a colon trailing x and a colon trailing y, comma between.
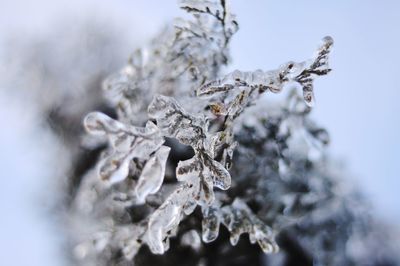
x: 357, y: 102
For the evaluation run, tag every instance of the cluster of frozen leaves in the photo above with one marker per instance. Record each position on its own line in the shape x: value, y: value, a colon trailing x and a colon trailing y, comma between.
x: 238, y: 218
x: 170, y: 91
x: 179, y: 59
x: 246, y: 86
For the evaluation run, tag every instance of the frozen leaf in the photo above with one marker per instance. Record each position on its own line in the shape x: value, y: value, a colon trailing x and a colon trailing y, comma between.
x: 220, y: 176
x: 127, y: 142
x: 200, y: 45
x: 210, y: 224
x: 114, y: 168
x: 206, y: 190
x: 188, y: 129
x: 168, y: 215
x: 152, y: 175
x: 176, y: 122
x: 239, y: 219
x: 193, y: 169
x: 210, y: 172
x: 128, y: 90
x: 164, y: 218
x: 318, y: 66
x: 188, y: 169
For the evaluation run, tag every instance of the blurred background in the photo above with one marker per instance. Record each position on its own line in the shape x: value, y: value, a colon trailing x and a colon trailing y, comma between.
x: 54, y: 55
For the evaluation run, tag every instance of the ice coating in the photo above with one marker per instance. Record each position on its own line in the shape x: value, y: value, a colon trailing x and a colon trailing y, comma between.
x: 152, y: 175
x: 191, y: 239
x: 126, y: 142
x: 210, y: 224
x: 154, y: 98
x: 250, y: 84
x: 175, y: 122
x: 238, y: 219
x: 167, y: 217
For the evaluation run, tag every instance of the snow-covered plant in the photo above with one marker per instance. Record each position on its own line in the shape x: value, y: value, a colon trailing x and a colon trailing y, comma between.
x: 188, y: 147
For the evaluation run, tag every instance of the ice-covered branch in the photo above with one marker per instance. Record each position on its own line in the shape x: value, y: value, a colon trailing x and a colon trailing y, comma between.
x: 241, y: 89
x: 182, y: 151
